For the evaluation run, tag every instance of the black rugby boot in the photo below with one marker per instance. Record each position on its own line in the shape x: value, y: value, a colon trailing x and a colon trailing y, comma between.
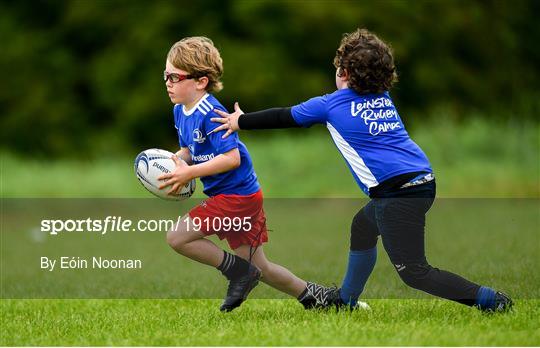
x: 330, y: 298
x: 317, y: 296
x: 503, y: 302
x: 240, y: 288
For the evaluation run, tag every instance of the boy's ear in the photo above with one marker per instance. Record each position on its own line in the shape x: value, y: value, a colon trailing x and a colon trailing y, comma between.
x: 343, y: 73
x: 202, y: 82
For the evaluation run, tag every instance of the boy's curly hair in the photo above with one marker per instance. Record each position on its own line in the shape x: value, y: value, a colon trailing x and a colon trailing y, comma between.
x: 198, y: 56
x: 368, y: 61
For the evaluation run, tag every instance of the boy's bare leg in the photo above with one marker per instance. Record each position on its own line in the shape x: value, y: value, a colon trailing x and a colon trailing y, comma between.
x: 242, y: 276
x: 192, y: 244
x: 273, y: 274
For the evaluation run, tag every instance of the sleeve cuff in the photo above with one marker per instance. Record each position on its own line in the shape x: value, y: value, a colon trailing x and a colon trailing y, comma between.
x: 227, y: 148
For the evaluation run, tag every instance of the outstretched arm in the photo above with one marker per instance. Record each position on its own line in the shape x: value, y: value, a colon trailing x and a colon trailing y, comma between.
x: 266, y: 119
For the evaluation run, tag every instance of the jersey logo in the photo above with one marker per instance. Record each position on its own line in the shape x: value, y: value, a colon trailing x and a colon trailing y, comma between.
x: 378, y: 114
x: 198, y: 136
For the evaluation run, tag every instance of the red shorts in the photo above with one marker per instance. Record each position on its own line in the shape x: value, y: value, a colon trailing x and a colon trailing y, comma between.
x: 237, y: 218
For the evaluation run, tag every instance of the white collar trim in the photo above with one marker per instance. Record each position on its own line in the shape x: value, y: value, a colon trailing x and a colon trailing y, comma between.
x: 192, y: 110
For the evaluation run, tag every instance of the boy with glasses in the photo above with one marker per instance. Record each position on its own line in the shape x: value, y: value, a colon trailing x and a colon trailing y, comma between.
x: 234, y: 209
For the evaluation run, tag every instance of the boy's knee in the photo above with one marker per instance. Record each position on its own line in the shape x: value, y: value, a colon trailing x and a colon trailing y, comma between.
x: 176, y: 240
x: 178, y: 236
x: 172, y: 239
x: 415, y: 275
x: 364, y: 234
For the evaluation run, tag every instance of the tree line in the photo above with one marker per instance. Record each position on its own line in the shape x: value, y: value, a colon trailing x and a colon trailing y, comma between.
x: 86, y: 76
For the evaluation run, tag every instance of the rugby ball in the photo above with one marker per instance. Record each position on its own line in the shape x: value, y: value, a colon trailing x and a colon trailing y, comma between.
x: 152, y: 163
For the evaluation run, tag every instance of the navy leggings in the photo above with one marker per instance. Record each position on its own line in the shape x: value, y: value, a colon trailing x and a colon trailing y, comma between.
x: 399, y: 217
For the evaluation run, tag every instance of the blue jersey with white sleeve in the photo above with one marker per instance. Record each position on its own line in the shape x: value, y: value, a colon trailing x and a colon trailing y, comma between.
x: 368, y: 132
x: 194, y: 132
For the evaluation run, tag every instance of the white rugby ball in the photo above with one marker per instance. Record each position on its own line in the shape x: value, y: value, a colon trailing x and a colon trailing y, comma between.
x: 152, y: 163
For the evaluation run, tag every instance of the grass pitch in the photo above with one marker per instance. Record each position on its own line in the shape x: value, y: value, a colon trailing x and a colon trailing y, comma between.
x: 470, y: 237
x: 493, y: 242
x: 262, y: 323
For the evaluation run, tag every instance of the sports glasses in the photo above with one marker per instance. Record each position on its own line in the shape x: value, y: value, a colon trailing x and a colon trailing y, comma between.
x: 174, y: 78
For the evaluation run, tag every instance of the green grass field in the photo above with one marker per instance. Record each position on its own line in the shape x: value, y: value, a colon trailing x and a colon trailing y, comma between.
x: 173, y: 301
x: 262, y: 323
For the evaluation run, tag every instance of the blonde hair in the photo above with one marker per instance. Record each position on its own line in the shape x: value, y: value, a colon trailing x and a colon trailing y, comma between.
x: 199, y: 57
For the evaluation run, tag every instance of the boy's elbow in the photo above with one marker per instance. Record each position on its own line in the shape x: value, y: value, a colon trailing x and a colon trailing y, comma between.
x: 235, y: 159
x: 236, y: 162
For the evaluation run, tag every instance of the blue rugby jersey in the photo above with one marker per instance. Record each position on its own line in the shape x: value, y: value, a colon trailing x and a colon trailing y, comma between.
x: 368, y: 132
x: 193, y: 127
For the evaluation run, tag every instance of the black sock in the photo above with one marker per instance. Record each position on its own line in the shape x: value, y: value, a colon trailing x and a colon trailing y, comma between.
x: 302, y: 295
x: 233, y: 267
